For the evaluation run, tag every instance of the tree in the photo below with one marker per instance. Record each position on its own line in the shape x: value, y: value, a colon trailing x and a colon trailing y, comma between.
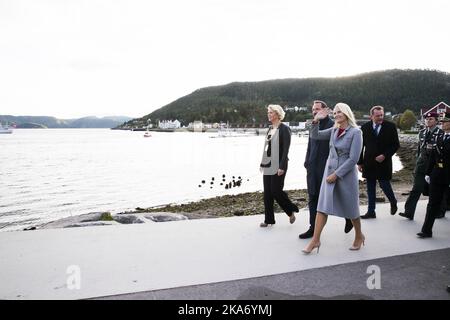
x: 407, y: 120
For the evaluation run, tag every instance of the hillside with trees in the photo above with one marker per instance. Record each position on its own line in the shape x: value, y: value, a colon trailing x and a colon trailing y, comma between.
x: 244, y: 102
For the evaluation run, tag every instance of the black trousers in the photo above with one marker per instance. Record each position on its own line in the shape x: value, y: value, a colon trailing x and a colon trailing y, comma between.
x: 437, y: 194
x: 273, y: 191
x: 414, y: 196
x: 313, y: 199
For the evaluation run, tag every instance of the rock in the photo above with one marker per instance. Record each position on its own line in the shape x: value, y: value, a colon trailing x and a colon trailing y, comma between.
x: 380, y: 199
x: 127, y: 219
x: 90, y: 224
x: 165, y: 216
x: 89, y: 217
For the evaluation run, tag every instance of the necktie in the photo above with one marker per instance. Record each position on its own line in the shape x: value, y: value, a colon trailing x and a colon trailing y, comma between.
x: 375, y: 130
x: 427, y: 136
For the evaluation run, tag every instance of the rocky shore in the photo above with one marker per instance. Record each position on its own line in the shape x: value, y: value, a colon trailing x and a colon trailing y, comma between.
x: 252, y: 203
x: 238, y: 205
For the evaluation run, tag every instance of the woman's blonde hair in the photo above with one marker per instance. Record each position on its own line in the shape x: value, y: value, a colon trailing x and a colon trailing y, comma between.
x: 277, y: 109
x: 345, y: 109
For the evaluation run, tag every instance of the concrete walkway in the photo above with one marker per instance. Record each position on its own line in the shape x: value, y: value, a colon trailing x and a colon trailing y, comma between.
x: 92, y: 262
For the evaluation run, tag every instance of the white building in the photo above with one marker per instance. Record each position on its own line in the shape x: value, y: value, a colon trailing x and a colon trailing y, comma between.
x: 169, y: 124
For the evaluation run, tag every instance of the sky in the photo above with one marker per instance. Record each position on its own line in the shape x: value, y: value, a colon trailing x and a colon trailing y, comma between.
x: 73, y: 58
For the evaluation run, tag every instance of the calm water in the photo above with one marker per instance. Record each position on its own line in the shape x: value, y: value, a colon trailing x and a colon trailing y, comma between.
x: 51, y: 174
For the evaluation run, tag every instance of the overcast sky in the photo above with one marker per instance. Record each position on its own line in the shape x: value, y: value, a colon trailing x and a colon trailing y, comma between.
x: 69, y: 58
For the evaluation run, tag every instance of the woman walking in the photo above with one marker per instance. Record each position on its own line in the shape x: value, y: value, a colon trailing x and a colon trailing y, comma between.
x: 274, y: 165
x: 339, y: 191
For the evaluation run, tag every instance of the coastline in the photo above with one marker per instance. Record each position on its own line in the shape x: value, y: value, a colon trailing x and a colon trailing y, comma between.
x: 252, y: 203
x: 245, y: 204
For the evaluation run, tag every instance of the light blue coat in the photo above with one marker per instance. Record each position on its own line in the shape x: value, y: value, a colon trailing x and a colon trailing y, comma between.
x: 340, y: 198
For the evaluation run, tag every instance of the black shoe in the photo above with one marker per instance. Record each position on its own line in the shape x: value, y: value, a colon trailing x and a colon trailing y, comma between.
x: 440, y: 216
x: 405, y: 215
x: 369, y: 215
x: 348, y: 225
x: 308, y: 234
x: 393, y: 208
x: 448, y: 288
x: 424, y: 235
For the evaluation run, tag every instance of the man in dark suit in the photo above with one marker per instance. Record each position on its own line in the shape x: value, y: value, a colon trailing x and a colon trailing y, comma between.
x: 438, y: 176
x: 380, y: 142
x: 315, y: 161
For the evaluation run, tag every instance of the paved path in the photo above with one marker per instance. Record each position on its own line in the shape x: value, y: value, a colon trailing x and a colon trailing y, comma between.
x: 148, y: 258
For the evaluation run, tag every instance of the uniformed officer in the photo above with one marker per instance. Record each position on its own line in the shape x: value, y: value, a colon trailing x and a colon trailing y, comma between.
x: 438, y: 175
x: 427, y: 142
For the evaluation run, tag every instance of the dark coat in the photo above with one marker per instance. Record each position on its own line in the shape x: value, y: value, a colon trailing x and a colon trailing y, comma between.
x: 285, y: 143
x: 281, y: 141
x: 316, y: 158
x: 385, y: 143
x: 440, y: 174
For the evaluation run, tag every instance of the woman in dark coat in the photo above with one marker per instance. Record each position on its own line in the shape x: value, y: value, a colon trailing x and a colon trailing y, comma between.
x: 274, y: 165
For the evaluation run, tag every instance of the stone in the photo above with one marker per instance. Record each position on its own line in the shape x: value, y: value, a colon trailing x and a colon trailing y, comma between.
x: 165, y: 216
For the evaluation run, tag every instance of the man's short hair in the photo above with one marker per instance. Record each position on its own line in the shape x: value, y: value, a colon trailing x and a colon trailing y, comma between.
x: 323, y: 104
x: 376, y: 108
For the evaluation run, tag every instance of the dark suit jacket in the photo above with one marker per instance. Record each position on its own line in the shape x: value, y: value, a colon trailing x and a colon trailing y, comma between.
x: 285, y: 143
x: 316, y: 159
x: 385, y: 143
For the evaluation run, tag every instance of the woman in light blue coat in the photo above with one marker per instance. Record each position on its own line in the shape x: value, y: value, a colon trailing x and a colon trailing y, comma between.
x: 339, y: 192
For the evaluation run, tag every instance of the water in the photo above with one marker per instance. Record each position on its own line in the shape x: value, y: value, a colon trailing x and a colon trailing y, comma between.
x: 55, y: 173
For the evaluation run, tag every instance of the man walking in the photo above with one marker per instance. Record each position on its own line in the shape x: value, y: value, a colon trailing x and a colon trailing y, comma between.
x: 380, y: 142
x: 438, y: 176
x: 315, y: 161
x: 427, y: 142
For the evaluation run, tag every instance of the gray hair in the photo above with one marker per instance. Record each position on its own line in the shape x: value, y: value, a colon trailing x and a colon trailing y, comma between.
x: 277, y: 109
x: 376, y: 108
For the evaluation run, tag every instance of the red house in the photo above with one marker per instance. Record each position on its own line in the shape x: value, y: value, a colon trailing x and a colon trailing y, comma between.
x: 440, y: 108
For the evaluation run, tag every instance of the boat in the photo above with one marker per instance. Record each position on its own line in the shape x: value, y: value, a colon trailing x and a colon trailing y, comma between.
x: 5, y: 129
x: 147, y: 134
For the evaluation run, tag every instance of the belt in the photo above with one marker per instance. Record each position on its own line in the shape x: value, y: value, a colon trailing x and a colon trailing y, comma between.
x: 341, y: 153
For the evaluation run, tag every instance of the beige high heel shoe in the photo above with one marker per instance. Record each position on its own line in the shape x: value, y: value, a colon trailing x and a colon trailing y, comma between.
x: 317, y: 245
x: 355, y: 248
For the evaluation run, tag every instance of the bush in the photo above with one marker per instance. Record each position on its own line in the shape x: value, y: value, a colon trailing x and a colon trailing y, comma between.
x: 407, y: 120
x: 106, y: 216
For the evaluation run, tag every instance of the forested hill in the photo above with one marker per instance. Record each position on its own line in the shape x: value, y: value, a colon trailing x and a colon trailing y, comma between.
x: 244, y: 102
